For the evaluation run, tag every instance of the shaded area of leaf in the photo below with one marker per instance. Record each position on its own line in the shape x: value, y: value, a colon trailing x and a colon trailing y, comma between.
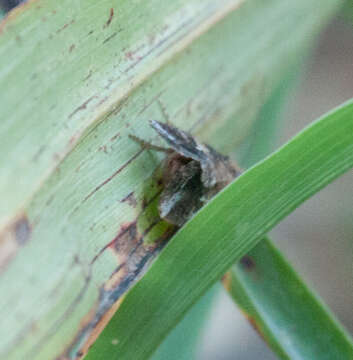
x: 7, y: 5
x: 181, y: 343
x: 285, y: 295
x: 291, y: 319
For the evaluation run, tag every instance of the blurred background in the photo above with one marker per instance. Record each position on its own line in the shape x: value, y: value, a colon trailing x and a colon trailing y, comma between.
x: 317, y: 237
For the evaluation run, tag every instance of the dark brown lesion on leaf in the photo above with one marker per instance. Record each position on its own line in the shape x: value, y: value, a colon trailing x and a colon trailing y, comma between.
x: 22, y: 230
x: 136, y: 244
x: 107, y: 180
x: 83, y: 106
x: 12, y: 239
x: 247, y: 263
x: 65, y: 26
x: 130, y: 199
x: 111, y: 14
x: 109, y: 38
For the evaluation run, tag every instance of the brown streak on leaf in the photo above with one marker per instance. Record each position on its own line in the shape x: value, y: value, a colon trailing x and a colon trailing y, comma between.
x: 103, y: 148
x: 109, y: 38
x: 73, y: 140
x: 254, y: 325
x: 99, y: 327
x: 227, y: 280
x: 113, y: 138
x: 111, y: 14
x: 112, y: 176
x: 126, y: 238
x: 65, y: 26
x: 103, y: 100
x: 82, y: 106
x: 123, y: 229
x: 130, y: 199
x: 88, y: 76
x: 153, y: 101
x: 49, y: 201
x: 38, y: 153
x: 156, y: 47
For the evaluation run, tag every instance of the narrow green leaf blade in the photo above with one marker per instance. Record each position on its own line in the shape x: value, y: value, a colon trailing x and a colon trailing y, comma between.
x: 226, y: 229
x: 181, y: 343
x: 178, y: 344
x: 289, y: 316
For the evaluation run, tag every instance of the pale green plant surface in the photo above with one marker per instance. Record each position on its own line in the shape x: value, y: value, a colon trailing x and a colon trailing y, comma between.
x: 71, y: 63
x: 73, y: 97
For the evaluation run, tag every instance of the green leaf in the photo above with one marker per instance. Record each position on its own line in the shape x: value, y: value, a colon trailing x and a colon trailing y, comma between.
x: 261, y: 140
x: 223, y: 231
x: 181, y: 343
x: 347, y: 11
x: 71, y: 65
x: 81, y: 79
x: 288, y: 315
